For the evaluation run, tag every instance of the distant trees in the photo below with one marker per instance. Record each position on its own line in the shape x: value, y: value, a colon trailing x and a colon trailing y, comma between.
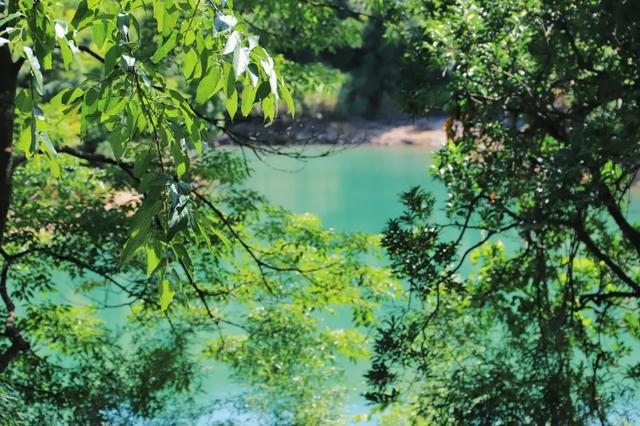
x: 542, y: 155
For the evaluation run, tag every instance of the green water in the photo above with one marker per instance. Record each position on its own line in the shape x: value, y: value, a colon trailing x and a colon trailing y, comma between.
x: 356, y: 189
x: 352, y: 190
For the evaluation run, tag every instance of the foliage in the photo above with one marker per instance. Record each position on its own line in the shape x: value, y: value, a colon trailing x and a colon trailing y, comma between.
x: 542, y: 150
x: 131, y: 252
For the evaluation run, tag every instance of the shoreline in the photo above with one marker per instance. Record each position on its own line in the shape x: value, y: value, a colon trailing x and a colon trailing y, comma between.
x: 425, y: 132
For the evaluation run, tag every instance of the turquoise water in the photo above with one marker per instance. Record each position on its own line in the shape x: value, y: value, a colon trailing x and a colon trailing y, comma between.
x: 356, y: 190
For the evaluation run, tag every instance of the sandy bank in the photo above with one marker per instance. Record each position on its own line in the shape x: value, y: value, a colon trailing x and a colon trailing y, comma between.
x: 424, y: 132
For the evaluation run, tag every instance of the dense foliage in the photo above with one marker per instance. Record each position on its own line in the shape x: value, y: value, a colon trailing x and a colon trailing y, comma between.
x: 133, y: 258
x: 543, y: 148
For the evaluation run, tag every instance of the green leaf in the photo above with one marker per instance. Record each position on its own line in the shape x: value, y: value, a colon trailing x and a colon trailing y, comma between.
x: 232, y: 104
x: 190, y: 60
x: 229, y: 80
x: 82, y: 16
x: 99, y: 33
x: 33, y: 147
x: 162, y: 51
x: 159, y: 13
x: 204, y: 225
x: 110, y: 59
x: 166, y: 294
x: 35, y: 69
x: 123, y: 22
x: 115, y: 139
x: 263, y: 91
x: 269, y: 107
x: 94, y: 4
x: 67, y: 55
x: 90, y: 102
x: 286, y: 96
x: 184, y: 258
x: 137, y: 240
x: 172, y: 14
x: 5, y: 20
x: 54, y: 167
x: 154, y: 255
x: 145, y: 214
x: 24, y: 141
x: 70, y: 96
x: 48, y: 145
x: 248, y: 98
x: 24, y: 102
x: 189, y: 37
x: 208, y: 86
x: 51, y: 154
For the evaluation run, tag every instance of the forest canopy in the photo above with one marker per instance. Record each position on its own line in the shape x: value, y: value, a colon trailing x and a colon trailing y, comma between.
x: 134, y: 256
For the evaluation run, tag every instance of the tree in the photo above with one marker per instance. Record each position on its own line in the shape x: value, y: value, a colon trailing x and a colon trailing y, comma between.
x: 110, y: 185
x: 542, y: 152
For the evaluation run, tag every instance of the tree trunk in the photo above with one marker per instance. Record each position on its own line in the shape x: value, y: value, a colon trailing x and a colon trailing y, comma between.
x: 8, y: 83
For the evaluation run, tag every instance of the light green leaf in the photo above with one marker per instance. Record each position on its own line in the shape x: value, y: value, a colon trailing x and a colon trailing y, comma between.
x: 99, y: 33
x: 286, y: 96
x: 48, y: 145
x: 158, y: 14
x: 189, y: 37
x: 67, y: 55
x: 208, y: 86
x: 82, y: 16
x: 268, y: 108
x: 166, y: 294
x: 189, y: 62
x: 248, y: 98
x: 232, y: 104
x: 154, y: 255
x: 162, y: 51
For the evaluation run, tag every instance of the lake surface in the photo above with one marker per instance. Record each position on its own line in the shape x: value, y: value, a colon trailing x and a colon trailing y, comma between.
x: 356, y: 190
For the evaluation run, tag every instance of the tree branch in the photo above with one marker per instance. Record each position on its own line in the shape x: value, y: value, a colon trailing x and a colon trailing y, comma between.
x: 585, y: 238
x: 630, y: 233
x: 18, y: 343
x: 97, y: 158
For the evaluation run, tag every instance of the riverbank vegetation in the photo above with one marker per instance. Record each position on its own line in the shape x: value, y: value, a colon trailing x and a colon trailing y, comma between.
x: 134, y: 258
